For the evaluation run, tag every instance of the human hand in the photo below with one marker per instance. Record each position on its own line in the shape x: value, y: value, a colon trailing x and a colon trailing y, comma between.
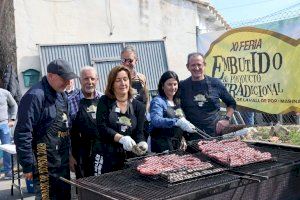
x: 11, y: 123
x: 28, y: 176
x: 72, y: 163
x: 140, y: 149
x: 127, y: 143
x: 221, y: 125
x: 185, y: 125
x: 143, y: 146
x: 183, y: 144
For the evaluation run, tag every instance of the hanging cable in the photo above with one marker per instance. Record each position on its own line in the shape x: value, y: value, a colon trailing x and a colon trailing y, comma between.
x: 109, y: 17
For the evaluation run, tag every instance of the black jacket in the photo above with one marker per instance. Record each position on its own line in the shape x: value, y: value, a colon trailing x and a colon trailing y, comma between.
x: 36, y: 113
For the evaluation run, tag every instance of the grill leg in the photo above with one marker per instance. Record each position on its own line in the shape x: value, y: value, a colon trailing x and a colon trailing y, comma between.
x: 12, y: 173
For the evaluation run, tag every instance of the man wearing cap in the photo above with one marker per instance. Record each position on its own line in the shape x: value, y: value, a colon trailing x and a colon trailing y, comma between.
x: 42, y: 133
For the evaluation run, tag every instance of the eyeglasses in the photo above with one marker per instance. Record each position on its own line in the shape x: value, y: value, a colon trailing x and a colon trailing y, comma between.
x: 124, y: 60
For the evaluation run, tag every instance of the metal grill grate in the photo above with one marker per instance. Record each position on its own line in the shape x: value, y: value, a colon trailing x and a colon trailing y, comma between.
x: 225, y: 152
x: 184, y: 172
x: 128, y: 184
x: 283, y: 157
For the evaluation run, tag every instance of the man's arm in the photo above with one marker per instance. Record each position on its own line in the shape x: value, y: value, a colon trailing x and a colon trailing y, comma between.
x: 12, y: 109
x: 230, y: 107
x: 229, y: 111
x: 145, y: 87
x: 13, y: 106
x: 140, y: 115
x: 28, y: 116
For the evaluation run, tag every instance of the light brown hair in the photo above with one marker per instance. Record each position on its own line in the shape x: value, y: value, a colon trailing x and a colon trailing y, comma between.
x: 109, y: 91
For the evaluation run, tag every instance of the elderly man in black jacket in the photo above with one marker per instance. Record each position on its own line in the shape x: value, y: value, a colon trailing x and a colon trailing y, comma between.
x: 42, y: 133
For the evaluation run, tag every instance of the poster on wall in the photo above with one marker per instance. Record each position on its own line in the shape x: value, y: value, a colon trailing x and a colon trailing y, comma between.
x: 260, y: 68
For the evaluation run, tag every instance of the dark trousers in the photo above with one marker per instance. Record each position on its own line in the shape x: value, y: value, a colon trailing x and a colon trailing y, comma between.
x: 84, y: 167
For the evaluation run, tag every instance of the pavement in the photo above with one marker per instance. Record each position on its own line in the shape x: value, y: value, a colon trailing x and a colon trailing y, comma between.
x: 5, y: 190
x: 5, y: 187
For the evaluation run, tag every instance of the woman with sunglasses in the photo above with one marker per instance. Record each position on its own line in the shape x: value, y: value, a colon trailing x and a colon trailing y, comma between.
x: 120, y: 123
x: 169, y: 126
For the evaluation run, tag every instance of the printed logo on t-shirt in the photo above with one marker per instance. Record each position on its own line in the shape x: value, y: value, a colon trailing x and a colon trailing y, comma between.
x: 91, y: 109
x: 179, y: 112
x: 124, y: 121
x: 200, y: 99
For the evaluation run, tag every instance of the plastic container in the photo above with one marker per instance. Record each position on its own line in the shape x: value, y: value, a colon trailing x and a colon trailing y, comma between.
x: 29, y: 185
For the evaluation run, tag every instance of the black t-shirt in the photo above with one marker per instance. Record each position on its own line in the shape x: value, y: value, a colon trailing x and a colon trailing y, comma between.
x: 111, y: 121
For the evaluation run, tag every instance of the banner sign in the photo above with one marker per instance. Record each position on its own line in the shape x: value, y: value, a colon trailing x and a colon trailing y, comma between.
x: 260, y: 68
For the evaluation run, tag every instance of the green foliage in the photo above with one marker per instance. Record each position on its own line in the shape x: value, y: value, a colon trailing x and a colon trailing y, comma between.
x: 265, y: 135
x: 295, y: 137
x: 283, y: 137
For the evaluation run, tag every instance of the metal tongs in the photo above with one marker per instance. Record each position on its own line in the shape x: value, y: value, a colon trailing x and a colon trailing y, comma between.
x: 202, y: 133
x: 239, y: 132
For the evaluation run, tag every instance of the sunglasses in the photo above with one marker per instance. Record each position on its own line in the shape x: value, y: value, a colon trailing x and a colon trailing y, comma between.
x: 124, y: 60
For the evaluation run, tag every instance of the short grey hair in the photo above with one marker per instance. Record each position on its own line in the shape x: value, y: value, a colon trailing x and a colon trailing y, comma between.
x: 87, y: 68
x: 194, y: 54
x: 128, y: 48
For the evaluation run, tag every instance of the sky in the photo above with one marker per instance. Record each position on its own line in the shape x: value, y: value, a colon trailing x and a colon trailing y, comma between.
x: 234, y: 11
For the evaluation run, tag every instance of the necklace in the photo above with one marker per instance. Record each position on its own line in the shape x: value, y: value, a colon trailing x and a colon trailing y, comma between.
x: 122, y: 101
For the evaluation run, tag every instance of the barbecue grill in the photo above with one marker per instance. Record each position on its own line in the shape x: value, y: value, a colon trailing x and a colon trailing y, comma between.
x: 282, y: 183
x: 180, y: 174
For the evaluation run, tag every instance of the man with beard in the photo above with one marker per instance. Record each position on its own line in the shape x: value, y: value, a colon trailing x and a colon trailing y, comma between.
x: 83, y: 115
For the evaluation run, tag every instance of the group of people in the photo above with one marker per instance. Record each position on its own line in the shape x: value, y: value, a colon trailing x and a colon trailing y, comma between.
x: 92, y: 133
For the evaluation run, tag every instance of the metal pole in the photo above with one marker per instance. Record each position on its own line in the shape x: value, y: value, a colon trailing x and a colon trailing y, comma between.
x: 280, y: 118
x: 197, y: 37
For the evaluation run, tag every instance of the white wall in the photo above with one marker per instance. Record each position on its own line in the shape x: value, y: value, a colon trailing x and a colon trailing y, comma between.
x: 82, y: 21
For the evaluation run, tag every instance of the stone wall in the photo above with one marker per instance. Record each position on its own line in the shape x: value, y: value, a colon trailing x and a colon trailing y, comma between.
x: 7, y: 35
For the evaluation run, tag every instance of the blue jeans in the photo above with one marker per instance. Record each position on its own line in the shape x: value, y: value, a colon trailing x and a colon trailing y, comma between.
x: 5, y: 139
